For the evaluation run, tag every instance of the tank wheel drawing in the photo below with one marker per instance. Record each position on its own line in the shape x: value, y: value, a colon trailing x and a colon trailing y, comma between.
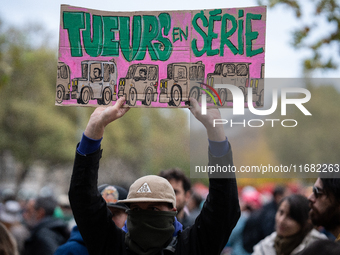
x: 223, y: 96
x: 85, y: 96
x: 107, y: 97
x: 132, y: 96
x: 195, y: 93
x: 176, y: 96
x: 60, y: 94
x: 148, y: 97
x: 258, y: 102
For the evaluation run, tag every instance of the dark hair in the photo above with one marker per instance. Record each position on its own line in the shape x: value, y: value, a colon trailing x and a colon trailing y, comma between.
x: 47, y: 203
x: 332, y: 186
x: 178, y: 175
x: 298, y: 208
x: 322, y: 247
x: 279, y: 190
x: 197, y: 198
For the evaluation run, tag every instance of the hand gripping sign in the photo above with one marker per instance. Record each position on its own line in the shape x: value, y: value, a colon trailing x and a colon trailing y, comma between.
x: 159, y: 58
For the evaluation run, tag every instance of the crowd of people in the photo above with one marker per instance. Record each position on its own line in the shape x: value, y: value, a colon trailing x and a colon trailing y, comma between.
x: 164, y: 214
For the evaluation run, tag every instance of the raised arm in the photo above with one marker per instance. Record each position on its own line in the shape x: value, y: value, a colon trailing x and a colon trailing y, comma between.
x: 93, y: 218
x: 101, y: 117
x: 221, y: 210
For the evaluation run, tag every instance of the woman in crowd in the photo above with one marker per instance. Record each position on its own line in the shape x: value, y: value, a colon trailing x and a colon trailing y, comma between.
x: 294, y: 231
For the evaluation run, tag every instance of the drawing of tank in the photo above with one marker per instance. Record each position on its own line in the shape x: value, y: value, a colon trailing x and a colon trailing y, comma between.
x: 63, y: 83
x: 228, y: 73
x: 257, y: 85
x: 140, y: 84
x: 98, y: 81
x: 183, y: 81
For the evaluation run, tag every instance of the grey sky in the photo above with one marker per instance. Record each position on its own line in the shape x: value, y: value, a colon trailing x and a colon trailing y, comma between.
x: 282, y: 61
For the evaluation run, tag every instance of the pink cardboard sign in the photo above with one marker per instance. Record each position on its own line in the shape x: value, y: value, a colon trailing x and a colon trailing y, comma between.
x: 159, y: 58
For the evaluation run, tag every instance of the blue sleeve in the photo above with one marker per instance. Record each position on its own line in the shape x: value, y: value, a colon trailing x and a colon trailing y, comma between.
x: 88, y: 145
x: 219, y: 149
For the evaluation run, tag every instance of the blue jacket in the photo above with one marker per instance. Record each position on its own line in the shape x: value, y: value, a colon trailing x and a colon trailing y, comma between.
x: 74, y: 246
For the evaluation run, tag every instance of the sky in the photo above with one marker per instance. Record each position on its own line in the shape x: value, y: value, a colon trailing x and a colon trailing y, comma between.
x: 282, y: 61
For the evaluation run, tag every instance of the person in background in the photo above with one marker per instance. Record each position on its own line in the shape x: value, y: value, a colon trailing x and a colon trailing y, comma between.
x: 194, y: 205
x: 250, y: 201
x: 11, y: 217
x: 75, y: 245
x: 324, y: 205
x: 294, y: 232
x: 182, y: 187
x: 261, y: 223
x: 8, y: 245
x: 46, y: 232
x: 112, y: 194
x: 64, y: 211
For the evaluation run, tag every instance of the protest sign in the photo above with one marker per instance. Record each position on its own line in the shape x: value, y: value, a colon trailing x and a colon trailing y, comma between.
x: 159, y: 58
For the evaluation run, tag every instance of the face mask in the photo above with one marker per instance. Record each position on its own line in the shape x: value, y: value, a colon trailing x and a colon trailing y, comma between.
x: 149, y: 231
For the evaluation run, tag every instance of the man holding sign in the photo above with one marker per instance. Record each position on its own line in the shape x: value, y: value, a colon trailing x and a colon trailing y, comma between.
x: 151, y: 227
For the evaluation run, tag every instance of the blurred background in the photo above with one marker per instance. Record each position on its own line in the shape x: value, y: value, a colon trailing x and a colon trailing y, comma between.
x: 38, y: 139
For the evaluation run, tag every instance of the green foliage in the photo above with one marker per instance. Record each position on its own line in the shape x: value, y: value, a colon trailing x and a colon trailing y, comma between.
x: 323, y: 12
x: 32, y: 128
x: 4, y: 66
x: 315, y: 140
x: 149, y: 140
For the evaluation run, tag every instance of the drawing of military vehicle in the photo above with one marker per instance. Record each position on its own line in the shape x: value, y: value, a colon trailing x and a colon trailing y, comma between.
x: 228, y: 73
x: 140, y: 84
x: 183, y: 81
x: 257, y: 85
x: 63, y: 83
x: 98, y: 81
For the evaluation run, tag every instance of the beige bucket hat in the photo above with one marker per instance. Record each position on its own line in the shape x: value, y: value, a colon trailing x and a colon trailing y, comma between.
x: 151, y: 188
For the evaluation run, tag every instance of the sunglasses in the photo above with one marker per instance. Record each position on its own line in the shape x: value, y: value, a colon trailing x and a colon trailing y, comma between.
x: 317, y: 192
